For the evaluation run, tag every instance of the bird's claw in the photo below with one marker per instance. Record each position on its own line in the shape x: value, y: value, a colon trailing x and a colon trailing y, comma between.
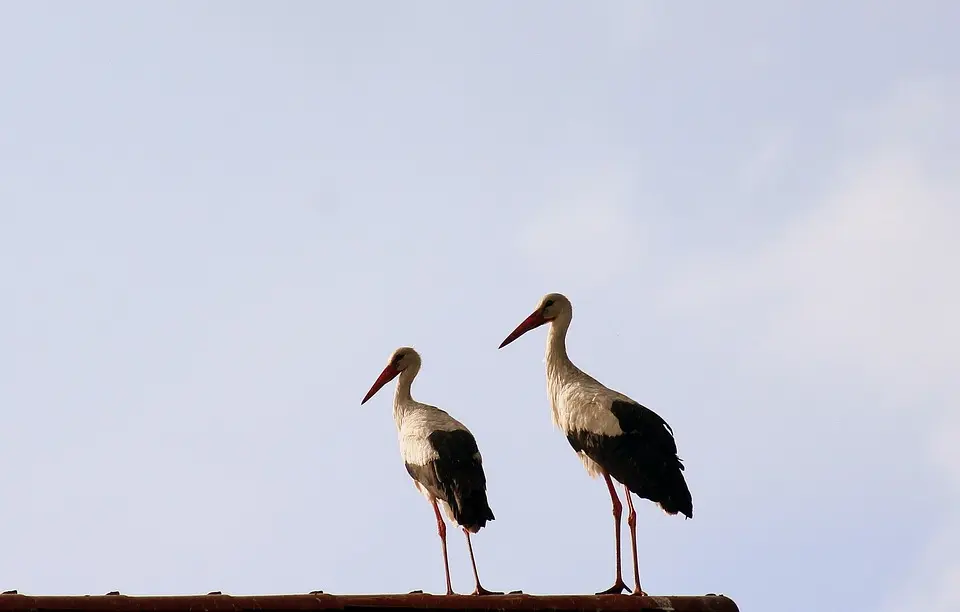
x: 482, y: 591
x: 640, y: 593
x: 616, y: 589
x: 417, y: 592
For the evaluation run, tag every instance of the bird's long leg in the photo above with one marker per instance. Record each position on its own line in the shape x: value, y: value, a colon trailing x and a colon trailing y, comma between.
x: 479, y: 590
x: 618, y: 586
x: 442, y: 530
x: 632, y: 522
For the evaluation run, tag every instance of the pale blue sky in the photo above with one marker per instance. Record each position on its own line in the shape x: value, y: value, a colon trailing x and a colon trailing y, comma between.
x: 218, y: 219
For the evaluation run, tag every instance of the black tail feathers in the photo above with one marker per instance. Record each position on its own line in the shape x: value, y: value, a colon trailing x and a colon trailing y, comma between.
x: 675, y: 496
x: 673, y: 505
x: 472, y: 511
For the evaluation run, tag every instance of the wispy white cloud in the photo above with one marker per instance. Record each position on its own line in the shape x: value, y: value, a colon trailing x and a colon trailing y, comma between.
x: 864, y: 283
x: 868, y: 270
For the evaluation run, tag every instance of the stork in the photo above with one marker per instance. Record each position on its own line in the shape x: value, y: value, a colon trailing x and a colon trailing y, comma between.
x: 613, y: 435
x: 441, y: 456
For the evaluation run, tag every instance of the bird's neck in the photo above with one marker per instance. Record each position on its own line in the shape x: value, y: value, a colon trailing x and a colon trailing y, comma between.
x: 560, y: 370
x: 556, y: 357
x: 402, y: 398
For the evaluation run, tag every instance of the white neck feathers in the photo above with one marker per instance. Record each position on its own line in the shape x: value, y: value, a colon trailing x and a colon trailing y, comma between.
x: 402, y: 398
x: 558, y: 363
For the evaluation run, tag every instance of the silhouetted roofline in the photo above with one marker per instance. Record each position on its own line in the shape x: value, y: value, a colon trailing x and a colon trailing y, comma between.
x: 321, y: 601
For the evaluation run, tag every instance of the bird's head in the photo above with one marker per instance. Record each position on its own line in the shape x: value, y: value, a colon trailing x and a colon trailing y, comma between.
x: 552, y: 306
x: 402, y: 359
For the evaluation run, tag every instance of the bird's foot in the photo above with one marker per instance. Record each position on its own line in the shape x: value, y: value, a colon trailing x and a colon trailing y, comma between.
x: 617, y: 588
x: 482, y: 591
x: 640, y: 592
x: 417, y: 592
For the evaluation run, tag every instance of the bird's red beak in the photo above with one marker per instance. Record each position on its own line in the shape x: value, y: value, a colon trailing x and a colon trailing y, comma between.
x: 388, y: 374
x: 532, y: 322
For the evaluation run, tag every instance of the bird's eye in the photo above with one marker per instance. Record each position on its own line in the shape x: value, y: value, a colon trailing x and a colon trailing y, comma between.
x: 548, y: 304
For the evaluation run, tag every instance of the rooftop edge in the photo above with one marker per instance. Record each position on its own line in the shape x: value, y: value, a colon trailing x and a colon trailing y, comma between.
x: 217, y: 602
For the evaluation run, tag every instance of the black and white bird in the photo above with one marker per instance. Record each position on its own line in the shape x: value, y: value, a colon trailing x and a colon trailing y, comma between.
x: 441, y: 456
x: 613, y: 435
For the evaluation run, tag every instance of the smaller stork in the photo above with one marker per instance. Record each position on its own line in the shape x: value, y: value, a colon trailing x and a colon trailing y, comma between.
x: 441, y: 456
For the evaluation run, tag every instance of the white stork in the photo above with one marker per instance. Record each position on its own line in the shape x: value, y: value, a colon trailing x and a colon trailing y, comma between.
x: 613, y: 435
x: 441, y: 456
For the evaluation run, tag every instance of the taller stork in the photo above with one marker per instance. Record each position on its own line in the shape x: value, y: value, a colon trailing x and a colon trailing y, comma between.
x: 614, y: 435
x: 441, y: 456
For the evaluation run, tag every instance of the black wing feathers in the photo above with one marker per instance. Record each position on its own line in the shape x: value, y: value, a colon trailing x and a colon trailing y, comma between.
x: 644, y: 457
x: 644, y: 423
x: 456, y: 476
